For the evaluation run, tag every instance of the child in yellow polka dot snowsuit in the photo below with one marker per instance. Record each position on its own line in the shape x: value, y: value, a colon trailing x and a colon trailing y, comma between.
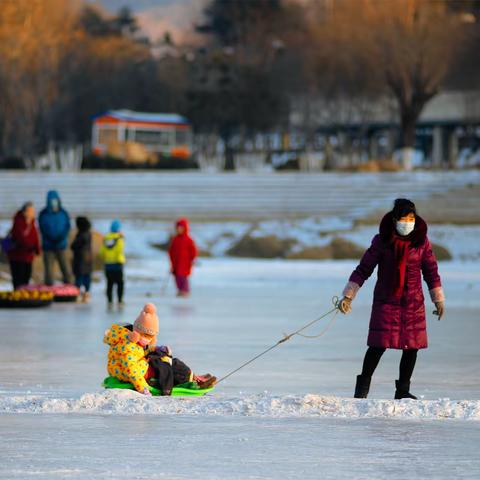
x: 128, y: 349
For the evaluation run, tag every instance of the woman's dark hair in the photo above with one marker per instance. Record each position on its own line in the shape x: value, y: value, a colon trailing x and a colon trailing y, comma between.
x: 26, y: 205
x: 83, y: 224
x: 403, y: 207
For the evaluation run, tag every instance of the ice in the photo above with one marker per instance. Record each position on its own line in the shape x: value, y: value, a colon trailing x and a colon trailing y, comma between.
x: 238, y: 308
x: 288, y: 415
x: 171, y: 447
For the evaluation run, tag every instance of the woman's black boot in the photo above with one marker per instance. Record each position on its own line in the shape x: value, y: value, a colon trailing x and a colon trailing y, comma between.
x: 403, y: 390
x: 362, y: 386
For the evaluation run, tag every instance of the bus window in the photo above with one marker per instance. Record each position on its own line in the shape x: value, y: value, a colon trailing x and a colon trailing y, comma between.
x: 106, y: 135
x: 153, y: 137
x: 181, y: 137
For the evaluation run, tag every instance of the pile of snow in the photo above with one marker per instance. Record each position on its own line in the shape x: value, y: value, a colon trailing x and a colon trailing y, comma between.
x: 127, y: 402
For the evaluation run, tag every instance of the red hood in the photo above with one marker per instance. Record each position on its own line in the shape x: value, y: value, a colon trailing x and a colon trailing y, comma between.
x: 183, y: 222
x: 19, y: 217
x: 388, y: 230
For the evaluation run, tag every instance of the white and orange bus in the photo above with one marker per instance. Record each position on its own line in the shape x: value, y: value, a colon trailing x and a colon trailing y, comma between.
x: 165, y: 134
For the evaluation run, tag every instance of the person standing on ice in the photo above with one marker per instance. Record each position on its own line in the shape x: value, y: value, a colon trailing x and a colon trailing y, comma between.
x: 182, y: 252
x: 112, y: 253
x: 403, y: 253
x: 25, y: 245
x: 54, y: 224
x: 82, y: 263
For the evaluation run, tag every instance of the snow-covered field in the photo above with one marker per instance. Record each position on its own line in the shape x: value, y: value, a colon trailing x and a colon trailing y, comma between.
x: 289, y: 415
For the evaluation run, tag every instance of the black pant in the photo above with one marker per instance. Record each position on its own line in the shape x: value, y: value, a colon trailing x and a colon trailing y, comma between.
x: 21, y: 273
x: 407, y: 362
x: 114, y: 277
x: 166, y: 375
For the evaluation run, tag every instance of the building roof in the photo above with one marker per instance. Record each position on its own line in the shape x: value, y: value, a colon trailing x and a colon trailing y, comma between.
x: 451, y: 107
x: 143, y: 117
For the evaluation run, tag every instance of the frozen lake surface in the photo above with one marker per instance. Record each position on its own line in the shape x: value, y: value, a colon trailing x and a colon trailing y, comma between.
x: 96, y: 447
x: 289, y: 415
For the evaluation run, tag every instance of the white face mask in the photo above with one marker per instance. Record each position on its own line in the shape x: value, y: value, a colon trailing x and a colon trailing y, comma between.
x: 404, y: 228
x: 143, y: 342
x: 54, y: 203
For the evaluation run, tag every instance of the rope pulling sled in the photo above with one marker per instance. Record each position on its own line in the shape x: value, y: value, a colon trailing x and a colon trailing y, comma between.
x: 191, y: 389
x: 286, y: 337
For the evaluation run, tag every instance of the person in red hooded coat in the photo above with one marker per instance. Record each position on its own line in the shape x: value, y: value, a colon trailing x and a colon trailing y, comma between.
x: 25, y: 245
x: 182, y: 252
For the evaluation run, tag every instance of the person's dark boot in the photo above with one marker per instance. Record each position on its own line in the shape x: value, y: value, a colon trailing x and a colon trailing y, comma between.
x: 403, y: 390
x: 362, y: 386
x: 205, y: 381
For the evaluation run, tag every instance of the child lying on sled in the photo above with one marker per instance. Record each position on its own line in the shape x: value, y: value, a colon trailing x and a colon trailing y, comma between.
x: 134, y: 357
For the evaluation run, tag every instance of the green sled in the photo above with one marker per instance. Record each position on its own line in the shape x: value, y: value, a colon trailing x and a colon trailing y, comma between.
x: 189, y: 389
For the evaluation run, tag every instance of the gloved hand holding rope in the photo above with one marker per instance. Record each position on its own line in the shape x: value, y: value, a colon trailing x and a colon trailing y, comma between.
x: 345, y: 305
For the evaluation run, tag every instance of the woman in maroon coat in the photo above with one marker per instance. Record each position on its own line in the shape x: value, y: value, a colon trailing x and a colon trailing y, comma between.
x: 25, y: 245
x: 403, y: 254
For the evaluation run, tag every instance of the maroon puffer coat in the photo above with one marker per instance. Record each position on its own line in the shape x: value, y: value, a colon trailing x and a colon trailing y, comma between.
x: 399, y: 322
x: 25, y: 239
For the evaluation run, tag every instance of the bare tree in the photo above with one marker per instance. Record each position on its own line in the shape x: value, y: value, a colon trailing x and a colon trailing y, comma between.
x: 31, y: 47
x: 59, y: 66
x: 237, y: 85
x: 401, y: 47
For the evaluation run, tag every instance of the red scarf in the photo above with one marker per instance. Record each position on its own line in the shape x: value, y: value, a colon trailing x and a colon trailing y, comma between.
x: 400, y: 251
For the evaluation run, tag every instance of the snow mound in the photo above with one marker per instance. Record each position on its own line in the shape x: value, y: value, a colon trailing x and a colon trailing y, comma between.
x: 127, y: 402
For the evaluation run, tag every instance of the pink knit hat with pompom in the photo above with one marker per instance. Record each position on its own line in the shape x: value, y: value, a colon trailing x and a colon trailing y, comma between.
x: 147, y: 321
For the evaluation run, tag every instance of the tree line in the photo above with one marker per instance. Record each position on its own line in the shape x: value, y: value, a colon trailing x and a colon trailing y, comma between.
x: 62, y: 62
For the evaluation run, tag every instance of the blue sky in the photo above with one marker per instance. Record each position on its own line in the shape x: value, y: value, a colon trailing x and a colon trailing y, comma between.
x: 158, y: 16
x: 139, y: 5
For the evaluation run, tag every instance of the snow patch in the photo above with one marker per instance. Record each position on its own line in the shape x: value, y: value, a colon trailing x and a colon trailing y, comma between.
x: 218, y: 237
x: 262, y: 405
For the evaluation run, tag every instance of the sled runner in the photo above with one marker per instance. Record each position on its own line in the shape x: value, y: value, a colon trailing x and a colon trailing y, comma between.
x: 188, y: 389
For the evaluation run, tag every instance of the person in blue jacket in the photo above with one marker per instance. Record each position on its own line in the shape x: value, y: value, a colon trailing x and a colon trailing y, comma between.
x: 54, y: 227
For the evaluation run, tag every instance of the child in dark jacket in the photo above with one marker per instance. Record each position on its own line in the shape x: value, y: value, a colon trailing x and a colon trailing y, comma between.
x: 182, y: 252
x: 82, y: 263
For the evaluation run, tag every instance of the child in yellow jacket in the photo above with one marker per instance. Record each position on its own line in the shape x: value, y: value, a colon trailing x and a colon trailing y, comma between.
x: 112, y: 252
x: 134, y: 357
